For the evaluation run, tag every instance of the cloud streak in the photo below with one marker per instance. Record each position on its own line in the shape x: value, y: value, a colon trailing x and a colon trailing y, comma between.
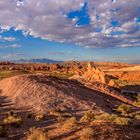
x: 11, y: 55
x: 10, y: 46
x: 10, y: 39
x: 111, y: 23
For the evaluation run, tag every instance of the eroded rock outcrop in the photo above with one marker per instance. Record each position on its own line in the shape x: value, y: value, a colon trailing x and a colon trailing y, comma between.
x: 94, y: 74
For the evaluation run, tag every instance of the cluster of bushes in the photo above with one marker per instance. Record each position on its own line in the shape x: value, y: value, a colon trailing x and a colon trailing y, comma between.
x: 105, y: 117
x: 127, y: 112
x: 89, y: 116
x: 13, y: 120
x: 124, y: 109
x: 135, y: 115
x: 68, y: 121
x: 123, y: 121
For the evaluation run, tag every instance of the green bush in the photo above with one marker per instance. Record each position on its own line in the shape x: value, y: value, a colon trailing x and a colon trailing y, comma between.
x: 13, y: 120
x: 124, y: 109
x: 86, y: 134
x: 106, y: 117
x: 89, y: 116
x: 37, y: 134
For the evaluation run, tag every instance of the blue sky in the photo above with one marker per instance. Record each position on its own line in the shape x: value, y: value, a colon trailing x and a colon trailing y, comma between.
x: 70, y: 30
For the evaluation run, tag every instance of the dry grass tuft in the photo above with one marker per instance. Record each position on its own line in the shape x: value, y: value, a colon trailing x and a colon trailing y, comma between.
x: 89, y: 116
x: 123, y: 121
x: 37, y: 134
x: 106, y: 117
x: 69, y: 123
x: 86, y: 134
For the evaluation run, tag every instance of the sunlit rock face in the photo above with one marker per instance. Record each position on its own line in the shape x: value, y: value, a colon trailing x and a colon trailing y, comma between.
x: 94, y: 74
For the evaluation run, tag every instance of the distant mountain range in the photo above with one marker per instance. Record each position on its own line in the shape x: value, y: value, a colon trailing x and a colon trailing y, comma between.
x: 43, y: 60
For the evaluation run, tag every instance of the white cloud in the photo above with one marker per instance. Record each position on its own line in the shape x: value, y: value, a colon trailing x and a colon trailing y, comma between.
x: 15, y: 46
x: 47, y: 19
x: 10, y: 39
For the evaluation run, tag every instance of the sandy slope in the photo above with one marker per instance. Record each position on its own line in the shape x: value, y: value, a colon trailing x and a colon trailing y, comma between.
x: 42, y: 94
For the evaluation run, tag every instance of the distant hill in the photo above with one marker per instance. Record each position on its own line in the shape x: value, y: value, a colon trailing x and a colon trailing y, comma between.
x: 43, y: 60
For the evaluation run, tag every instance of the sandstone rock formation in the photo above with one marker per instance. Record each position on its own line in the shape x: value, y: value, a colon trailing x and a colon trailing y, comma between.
x: 94, y: 74
x: 54, y: 67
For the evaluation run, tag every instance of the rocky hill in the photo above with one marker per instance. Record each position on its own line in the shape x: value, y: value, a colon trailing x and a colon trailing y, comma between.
x: 41, y: 93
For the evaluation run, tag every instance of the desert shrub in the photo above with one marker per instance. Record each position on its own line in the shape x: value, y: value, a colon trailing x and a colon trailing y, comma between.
x: 2, y: 131
x: 89, y: 116
x: 106, y: 117
x: 137, y: 103
x: 123, y: 121
x: 71, y: 122
x: 13, y: 120
x: 39, y: 117
x: 134, y: 114
x: 113, y: 119
x: 124, y: 109
x: 86, y: 134
x: 37, y: 134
